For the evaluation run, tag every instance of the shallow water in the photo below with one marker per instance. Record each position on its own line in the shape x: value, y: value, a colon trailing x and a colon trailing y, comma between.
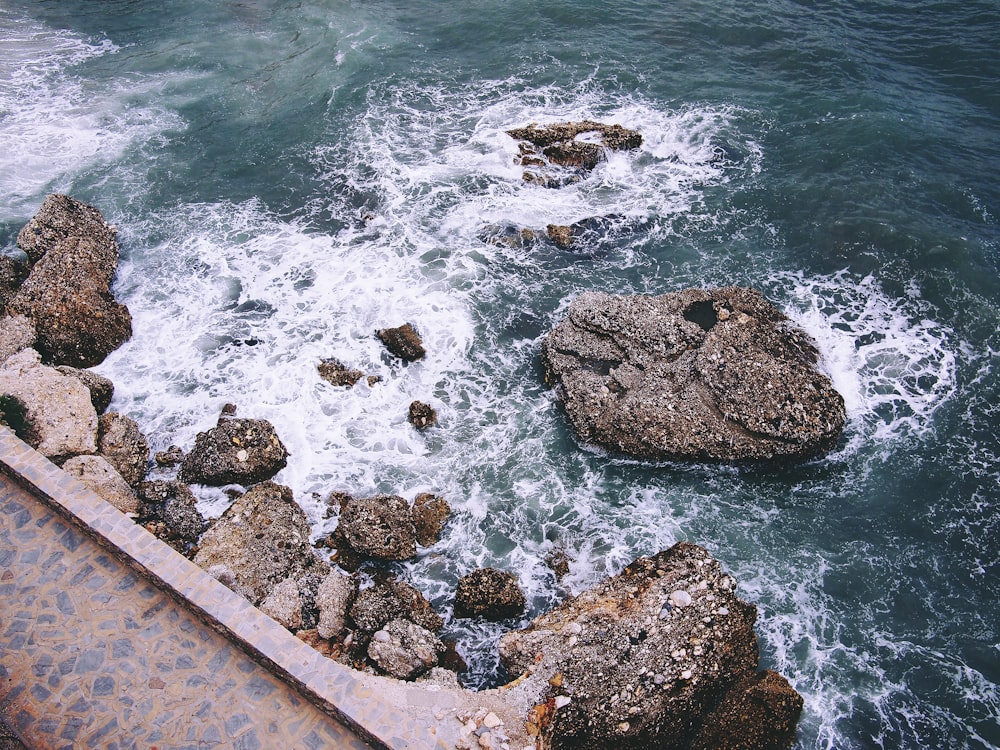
x: 288, y: 177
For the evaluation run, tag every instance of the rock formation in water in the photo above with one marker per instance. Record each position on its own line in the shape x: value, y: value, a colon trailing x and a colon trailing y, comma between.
x: 403, y: 342
x: 235, y: 451
x: 489, y: 593
x: 718, y: 375
x: 662, y: 655
x: 562, y: 153
x: 73, y: 254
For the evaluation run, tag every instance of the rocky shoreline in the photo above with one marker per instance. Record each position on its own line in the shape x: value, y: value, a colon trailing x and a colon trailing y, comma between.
x: 663, y: 654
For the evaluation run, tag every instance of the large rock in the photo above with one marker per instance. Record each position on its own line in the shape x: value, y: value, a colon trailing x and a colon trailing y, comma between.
x: 59, y: 418
x: 375, y: 606
x: 641, y: 660
x: 102, y: 390
x: 17, y: 333
x: 236, y: 451
x: 261, y: 539
x: 716, y: 375
x: 170, y: 510
x: 403, y: 341
x: 335, y: 594
x: 73, y: 255
x: 122, y: 443
x: 379, y: 527
x: 555, y: 155
x: 405, y: 650
x: 489, y: 593
x: 101, y: 477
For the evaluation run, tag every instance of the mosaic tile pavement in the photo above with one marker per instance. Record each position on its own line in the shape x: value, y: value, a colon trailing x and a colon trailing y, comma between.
x: 93, y: 654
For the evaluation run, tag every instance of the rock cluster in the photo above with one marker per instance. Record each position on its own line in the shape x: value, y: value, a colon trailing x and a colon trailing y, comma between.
x: 716, y: 374
x: 662, y: 655
x: 556, y: 155
x: 335, y: 372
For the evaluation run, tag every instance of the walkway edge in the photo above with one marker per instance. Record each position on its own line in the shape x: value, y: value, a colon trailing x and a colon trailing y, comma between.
x: 357, y: 700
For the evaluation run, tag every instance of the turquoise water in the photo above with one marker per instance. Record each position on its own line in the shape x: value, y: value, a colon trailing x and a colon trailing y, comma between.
x: 289, y: 176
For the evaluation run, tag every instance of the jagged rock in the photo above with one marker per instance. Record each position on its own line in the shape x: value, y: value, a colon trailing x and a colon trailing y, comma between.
x: 422, y: 415
x: 489, y: 593
x: 12, y: 274
x: 17, y: 333
x: 374, y: 607
x: 379, y: 527
x: 640, y: 660
x: 101, y: 388
x: 587, y: 236
x: 262, y: 538
x: 100, y: 476
x: 336, y: 593
x: 560, y: 158
x: 404, y: 650
x: 73, y: 254
x: 124, y: 446
x: 172, y: 509
x: 403, y: 342
x: 59, y: 417
x: 759, y: 712
x: 170, y: 457
x: 430, y: 514
x: 558, y: 562
x: 236, y: 451
x: 337, y: 373
x: 718, y: 375
x: 284, y: 605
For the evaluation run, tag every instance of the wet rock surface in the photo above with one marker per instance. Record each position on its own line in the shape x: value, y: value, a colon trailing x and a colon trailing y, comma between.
x: 261, y: 539
x: 642, y: 659
x: 403, y: 342
x: 489, y: 593
x: 563, y: 153
x: 720, y: 375
x: 335, y: 372
x: 236, y: 451
x: 73, y: 255
x: 430, y: 514
x: 421, y: 415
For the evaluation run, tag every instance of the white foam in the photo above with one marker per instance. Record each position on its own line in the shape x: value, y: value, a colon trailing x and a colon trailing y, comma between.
x: 53, y: 125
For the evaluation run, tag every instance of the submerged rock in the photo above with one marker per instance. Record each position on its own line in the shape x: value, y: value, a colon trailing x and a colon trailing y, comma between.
x: 620, y: 666
x: 720, y: 374
x: 403, y: 342
x: 489, y: 593
x: 236, y: 451
x: 73, y: 254
x: 261, y: 539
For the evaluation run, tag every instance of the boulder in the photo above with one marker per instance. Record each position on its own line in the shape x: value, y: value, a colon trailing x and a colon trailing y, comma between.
x: 236, y: 451
x: 759, y: 712
x: 403, y: 342
x: 335, y: 594
x: 101, y: 388
x: 422, y: 415
x: 124, y: 446
x: 641, y: 660
x: 430, y: 514
x: 375, y: 606
x: 557, y: 156
x: 379, y: 527
x: 170, y: 511
x: 404, y: 650
x: 12, y: 274
x: 489, y: 593
x: 73, y: 254
x: 17, y: 333
x: 262, y: 538
x: 717, y: 375
x: 100, y: 477
x: 284, y: 604
x: 59, y: 417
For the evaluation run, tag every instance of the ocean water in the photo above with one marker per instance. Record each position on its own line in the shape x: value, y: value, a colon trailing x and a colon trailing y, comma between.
x: 288, y: 177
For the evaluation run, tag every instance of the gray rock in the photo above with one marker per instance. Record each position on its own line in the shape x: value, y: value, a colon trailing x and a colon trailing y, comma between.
x: 173, y: 509
x: 489, y: 593
x: 335, y: 594
x: 284, y: 605
x: 375, y: 606
x: 379, y: 527
x: 406, y: 651
x: 73, y: 254
x: 263, y: 538
x: 59, y: 416
x: 236, y: 451
x: 12, y: 274
x: 714, y: 375
x: 640, y: 660
x: 124, y: 446
x: 17, y: 333
x: 100, y: 476
x: 101, y: 388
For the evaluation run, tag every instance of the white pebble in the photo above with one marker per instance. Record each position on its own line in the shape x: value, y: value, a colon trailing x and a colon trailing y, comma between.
x: 562, y: 700
x: 381, y: 636
x: 680, y: 598
x: 491, y: 720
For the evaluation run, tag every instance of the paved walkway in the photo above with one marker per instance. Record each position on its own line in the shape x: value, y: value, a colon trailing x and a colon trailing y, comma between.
x: 94, y: 654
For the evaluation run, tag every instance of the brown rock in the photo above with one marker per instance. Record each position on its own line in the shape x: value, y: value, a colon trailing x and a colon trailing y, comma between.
x: 124, y: 446
x: 337, y: 373
x: 236, y: 451
x: 173, y: 509
x: 379, y: 527
x: 12, y: 274
x: 560, y: 158
x: 170, y: 457
x: 403, y: 342
x: 430, y: 514
x: 61, y: 217
x: 102, y: 390
x: 489, y: 593
x: 422, y: 415
x: 759, y: 712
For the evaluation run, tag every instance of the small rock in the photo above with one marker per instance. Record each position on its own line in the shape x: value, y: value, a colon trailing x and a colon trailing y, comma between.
x: 407, y: 650
x: 403, y: 342
x: 170, y: 457
x: 422, y: 415
x: 680, y: 598
x: 121, y: 442
x: 284, y: 604
x: 333, y: 598
x: 337, y: 373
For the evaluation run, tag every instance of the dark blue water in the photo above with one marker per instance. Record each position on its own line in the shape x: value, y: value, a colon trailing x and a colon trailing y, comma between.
x: 289, y: 176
